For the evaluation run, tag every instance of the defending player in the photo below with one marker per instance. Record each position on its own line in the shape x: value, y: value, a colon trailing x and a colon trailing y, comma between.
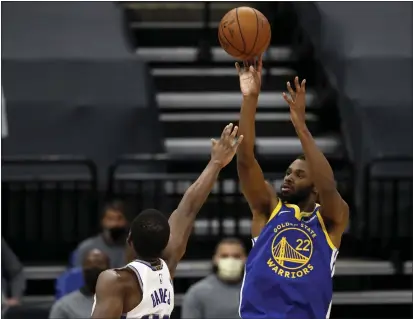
x: 143, y: 289
x: 289, y: 271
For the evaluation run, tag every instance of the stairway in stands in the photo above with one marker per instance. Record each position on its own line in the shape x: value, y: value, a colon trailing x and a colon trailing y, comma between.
x: 198, y: 99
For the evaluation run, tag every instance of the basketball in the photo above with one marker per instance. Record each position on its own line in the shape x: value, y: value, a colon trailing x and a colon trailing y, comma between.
x: 244, y: 33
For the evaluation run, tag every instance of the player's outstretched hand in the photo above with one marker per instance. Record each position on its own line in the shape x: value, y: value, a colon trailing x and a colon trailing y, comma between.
x: 296, y: 101
x: 250, y: 77
x: 224, y: 149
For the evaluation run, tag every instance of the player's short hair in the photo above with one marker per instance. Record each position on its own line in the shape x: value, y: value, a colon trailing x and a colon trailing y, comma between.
x: 301, y: 157
x: 149, y: 233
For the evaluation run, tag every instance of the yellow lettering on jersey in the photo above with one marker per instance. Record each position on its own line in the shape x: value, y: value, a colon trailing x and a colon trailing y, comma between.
x: 292, y: 250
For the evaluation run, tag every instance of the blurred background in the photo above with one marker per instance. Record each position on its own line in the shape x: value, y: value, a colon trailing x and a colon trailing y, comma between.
x: 108, y: 108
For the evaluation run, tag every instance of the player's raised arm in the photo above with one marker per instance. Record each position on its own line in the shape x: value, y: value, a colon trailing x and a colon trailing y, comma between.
x: 110, y: 293
x: 258, y: 193
x: 182, y: 219
x: 333, y: 208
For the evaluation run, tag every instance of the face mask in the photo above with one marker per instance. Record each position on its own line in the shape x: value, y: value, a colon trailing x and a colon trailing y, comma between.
x: 230, y: 268
x: 117, y: 232
x: 90, y: 276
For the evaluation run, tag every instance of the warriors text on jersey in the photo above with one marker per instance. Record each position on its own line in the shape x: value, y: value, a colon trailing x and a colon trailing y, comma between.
x: 288, y: 273
x: 157, y: 291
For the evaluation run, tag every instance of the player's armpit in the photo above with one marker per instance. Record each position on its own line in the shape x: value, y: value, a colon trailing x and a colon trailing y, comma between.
x: 335, y: 213
x: 259, y: 194
x: 109, y: 296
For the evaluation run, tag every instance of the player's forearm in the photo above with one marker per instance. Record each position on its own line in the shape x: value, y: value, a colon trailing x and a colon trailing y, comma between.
x: 324, y: 176
x: 245, y: 152
x: 198, y: 192
x: 183, y: 218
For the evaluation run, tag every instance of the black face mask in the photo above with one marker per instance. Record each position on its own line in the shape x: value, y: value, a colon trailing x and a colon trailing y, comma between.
x: 117, y: 233
x: 90, y: 276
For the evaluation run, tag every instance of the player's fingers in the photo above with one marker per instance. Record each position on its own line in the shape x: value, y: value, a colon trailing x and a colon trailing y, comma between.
x: 213, y: 141
x: 287, y: 99
x: 246, y: 65
x: 239, y: 141
x: 260, y: 63
x: 234, y: 133
x: 297, y: 84
x: 303, y: 86
x: 223, y: 131
x: 227, y: 131
x: 238, y: 67
x: 290, y: 90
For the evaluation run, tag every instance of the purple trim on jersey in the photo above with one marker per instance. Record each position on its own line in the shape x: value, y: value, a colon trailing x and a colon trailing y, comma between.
x: 148, y: 264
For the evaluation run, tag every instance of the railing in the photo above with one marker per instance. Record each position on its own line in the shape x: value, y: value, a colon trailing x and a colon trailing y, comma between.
x: 47, y: 213
x: 388, y: 207
x: 225, y: 212
x: 49, y: 204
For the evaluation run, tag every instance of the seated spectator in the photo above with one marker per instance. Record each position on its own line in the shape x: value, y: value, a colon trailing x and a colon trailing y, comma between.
x: 13, y: 281
x: 78, y: 304
x: 111, y: 240
x: 217, y: 295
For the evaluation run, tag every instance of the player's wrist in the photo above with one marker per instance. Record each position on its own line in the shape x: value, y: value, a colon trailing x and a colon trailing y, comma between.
x: 216, y: 164
x: 250, y: 97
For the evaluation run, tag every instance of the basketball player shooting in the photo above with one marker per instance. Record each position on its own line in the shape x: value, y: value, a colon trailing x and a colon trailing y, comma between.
x: 143, y: 289
x: 289, y: 270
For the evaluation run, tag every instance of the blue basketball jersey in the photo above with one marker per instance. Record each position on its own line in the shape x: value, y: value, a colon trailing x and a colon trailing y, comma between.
x: 288, y: 273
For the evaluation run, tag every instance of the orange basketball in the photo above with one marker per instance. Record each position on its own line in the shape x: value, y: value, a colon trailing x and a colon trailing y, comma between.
x: 244, y: 33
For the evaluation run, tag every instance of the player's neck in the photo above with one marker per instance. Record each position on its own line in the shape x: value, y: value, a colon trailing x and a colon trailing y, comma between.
x: 151, y: 261
x: 307, y: 206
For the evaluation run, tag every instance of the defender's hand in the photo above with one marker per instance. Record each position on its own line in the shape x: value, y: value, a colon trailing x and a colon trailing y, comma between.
x: 224, y: 149
x: 296, y: 102
x: 250, y: 77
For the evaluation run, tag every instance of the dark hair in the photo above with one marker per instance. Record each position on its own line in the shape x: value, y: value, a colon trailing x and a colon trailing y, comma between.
x: 114, y: 204
x: 301, y: 157
x: 149, y: 233
x: 230, y: 241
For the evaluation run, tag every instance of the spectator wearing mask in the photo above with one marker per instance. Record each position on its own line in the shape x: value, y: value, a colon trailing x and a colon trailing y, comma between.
x: 217, y: 295
x: 12, y: 277
x: 78, y: 304
x: 111, y: 240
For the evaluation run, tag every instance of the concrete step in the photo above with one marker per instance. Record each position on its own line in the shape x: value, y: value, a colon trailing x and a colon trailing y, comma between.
x: 150, y: 23
x: 201, y: 268
x: 209, y: 124
x: 190, y: 53
x: 221, y: 101
x: 330, y: 145
x: 214, y: 79
x: 171, y: 34
x: 179, y: 11
x: 339, y: 298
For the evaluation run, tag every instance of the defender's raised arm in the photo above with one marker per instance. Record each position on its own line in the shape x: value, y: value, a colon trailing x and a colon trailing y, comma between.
x: 183, y: 218
x: 259, y: 194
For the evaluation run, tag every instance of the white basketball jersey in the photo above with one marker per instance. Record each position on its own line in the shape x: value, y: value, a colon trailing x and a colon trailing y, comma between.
x: 157, y: 291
